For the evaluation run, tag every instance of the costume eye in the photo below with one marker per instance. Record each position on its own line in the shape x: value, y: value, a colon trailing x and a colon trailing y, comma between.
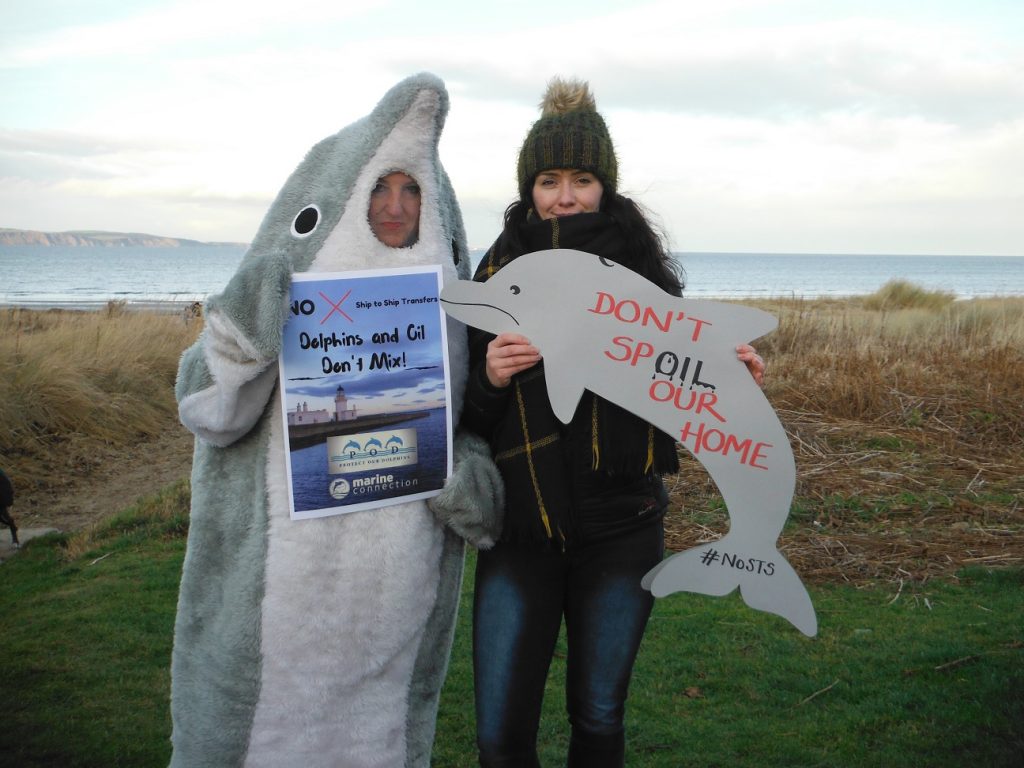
x: 514, y: 289
x: 306, y: 221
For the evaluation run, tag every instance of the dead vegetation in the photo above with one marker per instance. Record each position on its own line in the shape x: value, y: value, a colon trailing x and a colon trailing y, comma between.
x: 905, y: 412
x: 907, y: 423
x: 88, y: 421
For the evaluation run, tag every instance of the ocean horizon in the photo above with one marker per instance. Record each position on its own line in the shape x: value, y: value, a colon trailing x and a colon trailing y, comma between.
x: 89, y: 277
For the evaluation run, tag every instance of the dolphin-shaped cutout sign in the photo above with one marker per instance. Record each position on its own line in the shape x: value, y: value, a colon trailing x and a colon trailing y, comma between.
x: 671, y: 361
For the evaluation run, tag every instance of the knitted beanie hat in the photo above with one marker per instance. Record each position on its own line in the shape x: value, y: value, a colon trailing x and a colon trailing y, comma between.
x: 569, y: 134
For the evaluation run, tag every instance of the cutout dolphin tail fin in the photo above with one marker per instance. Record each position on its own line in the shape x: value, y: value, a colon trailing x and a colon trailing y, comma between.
x: 564, y: 391
x: 767, y: 582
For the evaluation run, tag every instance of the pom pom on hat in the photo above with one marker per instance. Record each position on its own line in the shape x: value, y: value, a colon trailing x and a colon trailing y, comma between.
x: 564, y: 96
x: 569, y: 134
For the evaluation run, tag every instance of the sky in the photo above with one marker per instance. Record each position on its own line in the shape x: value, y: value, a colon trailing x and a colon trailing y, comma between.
x: 793, y: 126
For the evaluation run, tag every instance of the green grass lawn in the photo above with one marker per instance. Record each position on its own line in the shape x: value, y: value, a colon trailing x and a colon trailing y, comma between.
x: 930, y: 676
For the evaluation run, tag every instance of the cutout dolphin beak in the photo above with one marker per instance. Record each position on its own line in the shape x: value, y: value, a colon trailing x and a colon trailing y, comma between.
x: 455, y: 314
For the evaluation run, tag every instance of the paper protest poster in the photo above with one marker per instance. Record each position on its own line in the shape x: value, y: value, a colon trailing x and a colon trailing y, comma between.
x: 671, y: 361
x: 365, y: 390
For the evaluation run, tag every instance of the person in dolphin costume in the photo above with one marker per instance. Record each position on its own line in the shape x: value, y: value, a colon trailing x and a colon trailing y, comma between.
x: 319, y: 642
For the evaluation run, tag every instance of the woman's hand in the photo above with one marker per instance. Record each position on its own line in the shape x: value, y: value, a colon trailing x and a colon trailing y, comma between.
x: 507, y: 355
x: 753, y: 361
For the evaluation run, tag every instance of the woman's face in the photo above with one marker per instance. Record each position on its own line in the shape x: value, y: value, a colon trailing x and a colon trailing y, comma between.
x: 565, y: 192
x: 395, y: 210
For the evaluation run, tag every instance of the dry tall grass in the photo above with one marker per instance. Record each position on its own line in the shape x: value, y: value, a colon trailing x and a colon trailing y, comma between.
x: 957, y: 367
x: 76, y: 383
x: 905, y: 410
x: 906, y: 413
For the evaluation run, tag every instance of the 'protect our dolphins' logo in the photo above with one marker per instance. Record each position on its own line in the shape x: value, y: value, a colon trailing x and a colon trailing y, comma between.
x: 371, y: 450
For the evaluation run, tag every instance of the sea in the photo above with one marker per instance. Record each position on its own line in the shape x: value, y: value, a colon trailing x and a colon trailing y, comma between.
x: 89, y: 277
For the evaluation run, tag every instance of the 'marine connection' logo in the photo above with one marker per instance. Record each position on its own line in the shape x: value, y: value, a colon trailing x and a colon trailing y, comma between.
x: 339, y: 488
x: 371, y: 450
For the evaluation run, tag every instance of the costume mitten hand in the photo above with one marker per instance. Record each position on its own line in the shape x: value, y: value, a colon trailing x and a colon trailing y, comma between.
x: 227, y: 377
x: 472, y: 502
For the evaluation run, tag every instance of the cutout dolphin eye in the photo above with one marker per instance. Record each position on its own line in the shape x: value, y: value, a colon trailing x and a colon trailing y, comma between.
x: 305, y: 221
x: 514, y: 289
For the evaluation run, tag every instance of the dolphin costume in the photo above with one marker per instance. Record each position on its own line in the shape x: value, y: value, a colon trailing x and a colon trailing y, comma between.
x: 319, y: 642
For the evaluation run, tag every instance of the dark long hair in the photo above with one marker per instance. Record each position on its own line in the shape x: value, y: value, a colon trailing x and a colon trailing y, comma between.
x: 648, y: 252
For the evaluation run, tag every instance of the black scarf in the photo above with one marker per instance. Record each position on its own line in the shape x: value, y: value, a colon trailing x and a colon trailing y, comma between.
x: 540, y: 458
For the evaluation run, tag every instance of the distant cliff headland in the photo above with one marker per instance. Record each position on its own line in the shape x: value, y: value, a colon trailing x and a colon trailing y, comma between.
x: 89, y: 238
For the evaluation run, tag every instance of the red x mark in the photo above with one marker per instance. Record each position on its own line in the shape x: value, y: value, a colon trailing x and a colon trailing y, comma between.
x: 336, y: 307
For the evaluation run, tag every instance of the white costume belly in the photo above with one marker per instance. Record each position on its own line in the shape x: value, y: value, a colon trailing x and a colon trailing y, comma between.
x: 353, y: 664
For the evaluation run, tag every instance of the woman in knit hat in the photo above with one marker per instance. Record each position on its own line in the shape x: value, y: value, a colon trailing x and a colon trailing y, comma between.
x: 584, y: 501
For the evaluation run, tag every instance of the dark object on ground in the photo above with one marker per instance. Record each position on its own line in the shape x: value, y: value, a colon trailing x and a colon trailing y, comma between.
x: 6, y: 499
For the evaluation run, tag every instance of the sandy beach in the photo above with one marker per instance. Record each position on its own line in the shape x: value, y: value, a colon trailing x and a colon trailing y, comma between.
x: 160, y: 307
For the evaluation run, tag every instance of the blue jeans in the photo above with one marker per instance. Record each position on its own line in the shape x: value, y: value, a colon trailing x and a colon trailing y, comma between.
x: 521, y: 595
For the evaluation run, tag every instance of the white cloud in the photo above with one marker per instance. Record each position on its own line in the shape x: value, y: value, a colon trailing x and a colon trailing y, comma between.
x: 746, y: 124
x: 178, y: 24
